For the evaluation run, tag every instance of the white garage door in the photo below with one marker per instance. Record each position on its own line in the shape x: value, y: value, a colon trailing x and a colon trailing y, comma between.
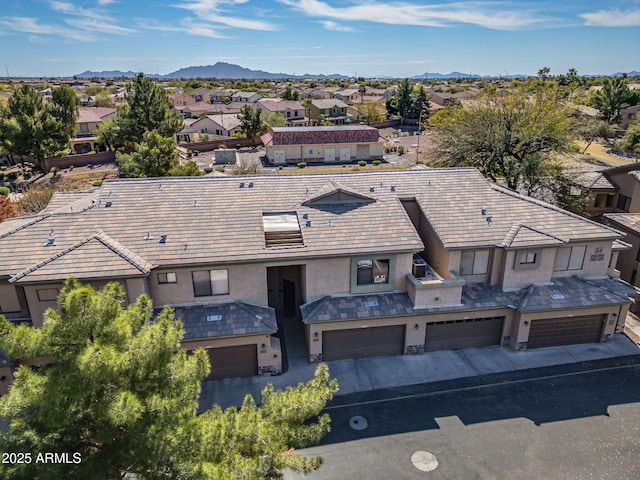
x: 345, y: 154
x: 329, y: 155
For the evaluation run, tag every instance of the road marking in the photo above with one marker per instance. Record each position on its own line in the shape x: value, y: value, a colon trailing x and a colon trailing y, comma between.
x: 476, y: 387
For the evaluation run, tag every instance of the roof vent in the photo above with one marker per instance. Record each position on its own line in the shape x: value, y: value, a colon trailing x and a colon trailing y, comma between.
x: 371, y: 303
x: 51, y: 233
x: 214, y: 318
x: 195, y: 203
x: 372, y: 189
x: 163, y: 239
x: 556, y: 296
x: 108, y: 204
x: 393, y: 188
x: 50, y: 242
x: 483, y: 211
x: 308, y: 224
x: 305, y: 216
x: 148, y: 236
x: 250, y: 184
x: 489, y: 219
x: 241, y: 184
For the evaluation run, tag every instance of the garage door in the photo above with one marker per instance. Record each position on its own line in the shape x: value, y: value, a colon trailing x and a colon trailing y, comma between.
x: 455, y: 334
x: 239, y: 361
x: 363, y: 342
x: 549, y: 332
x: 329, y: 155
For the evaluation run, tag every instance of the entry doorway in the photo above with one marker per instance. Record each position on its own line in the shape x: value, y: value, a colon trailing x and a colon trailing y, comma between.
x: 286, y: 293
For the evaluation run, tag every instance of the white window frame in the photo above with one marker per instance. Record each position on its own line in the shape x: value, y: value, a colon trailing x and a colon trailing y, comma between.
x: 167, y: 277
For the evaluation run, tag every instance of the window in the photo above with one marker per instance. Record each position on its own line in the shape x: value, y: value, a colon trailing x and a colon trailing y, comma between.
x: 527, y: 259
x: 84, y: 128
x: 169, y: 277
x: 474, y: 262
x: 624, y: 202
x: 372, y: 272
x: 47, y: 294
x: 210, y: 282
x: 569, y: 258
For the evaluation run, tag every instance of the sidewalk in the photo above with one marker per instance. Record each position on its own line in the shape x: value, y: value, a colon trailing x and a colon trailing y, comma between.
x: 373, y: 373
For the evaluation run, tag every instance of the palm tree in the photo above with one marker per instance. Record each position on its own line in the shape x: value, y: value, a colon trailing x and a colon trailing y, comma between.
x: 613, y: 97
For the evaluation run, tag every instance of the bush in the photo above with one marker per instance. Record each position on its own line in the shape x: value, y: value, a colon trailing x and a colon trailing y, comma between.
x: 400, y: 150
x: 12, y: 175
x: 208, y: 170
x: 54, y: 170
x: 375, y: 163
x: 219, y: 169
x: 27, y: 175
x: 97, y: 183
x: 302, y: 164
x: 4, y: 191
x: 362, y: 163
x: 3, y: 168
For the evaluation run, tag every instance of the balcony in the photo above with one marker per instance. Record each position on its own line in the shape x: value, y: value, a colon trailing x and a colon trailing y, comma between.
x: 434, y: 290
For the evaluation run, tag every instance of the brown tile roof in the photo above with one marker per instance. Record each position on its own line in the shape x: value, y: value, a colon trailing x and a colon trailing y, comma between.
x: 630, y: 221
x: 97, y: 256
x: 520, y: 236
x: 211, y: 220
x: 320, y: 135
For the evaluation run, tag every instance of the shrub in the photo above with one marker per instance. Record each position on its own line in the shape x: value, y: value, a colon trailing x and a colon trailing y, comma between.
x: 302, y: 164
x: 3, y: 168
x: 400, y: 149
x: 207, y: 170
x: 4, y: 191
x: 219, y: 169
x: 54, y: 170
x: 375, y: 163
x: 12, y: 175
x: 27, y: 175
x: 280, y: 167
x: 362, y: 163
x: 97, y: 183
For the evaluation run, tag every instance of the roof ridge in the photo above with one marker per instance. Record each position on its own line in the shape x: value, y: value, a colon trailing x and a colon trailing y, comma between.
x: 602, y: 287
x: 319, y: 301
x: 123, y: 251
x: 243, y: 305
x: 527, y: 292
x: 549, y: 206
x: 36, y: 218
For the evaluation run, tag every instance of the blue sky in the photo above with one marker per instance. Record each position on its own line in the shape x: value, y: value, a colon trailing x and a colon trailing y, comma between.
x: 368, y: 38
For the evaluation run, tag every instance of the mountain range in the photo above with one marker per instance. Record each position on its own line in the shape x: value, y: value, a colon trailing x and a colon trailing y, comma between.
x: 229, y: 71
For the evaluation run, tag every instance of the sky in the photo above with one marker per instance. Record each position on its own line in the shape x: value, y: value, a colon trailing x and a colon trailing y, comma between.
x: 397, y: 38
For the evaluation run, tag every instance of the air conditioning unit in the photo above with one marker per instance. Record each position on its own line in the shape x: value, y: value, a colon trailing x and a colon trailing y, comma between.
x: 419, y: 269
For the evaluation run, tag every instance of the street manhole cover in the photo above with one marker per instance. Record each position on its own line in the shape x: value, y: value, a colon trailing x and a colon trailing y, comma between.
x: 424, y: 461
x: 358, y: 423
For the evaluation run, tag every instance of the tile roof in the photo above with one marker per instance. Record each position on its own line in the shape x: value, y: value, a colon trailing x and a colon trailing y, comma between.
x: 225, y: 224
x: 280, y: 105
x: 225, y: 319
x: 630, y: 221
x: 520, y: 236
x: 568, y: 293
x: 93, y: 114
x: 97, y: 256
x: 329, y: 103
x: 320, y: 135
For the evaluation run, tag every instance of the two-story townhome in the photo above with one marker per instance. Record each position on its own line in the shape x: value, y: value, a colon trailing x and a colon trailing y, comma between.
x: 225, y: 125
x: 201, y: 94
x: 340, y: 266
x: 87, y: 126
x: 181, y: 100
x: 333, y: 111
x: 290, y: 110
x: 629, y: 115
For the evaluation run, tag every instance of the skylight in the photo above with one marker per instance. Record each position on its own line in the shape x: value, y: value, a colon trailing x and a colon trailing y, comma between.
x: 281, y: 229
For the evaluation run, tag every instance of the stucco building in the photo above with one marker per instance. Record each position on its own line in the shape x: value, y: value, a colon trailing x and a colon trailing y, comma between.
x: 361, y: 264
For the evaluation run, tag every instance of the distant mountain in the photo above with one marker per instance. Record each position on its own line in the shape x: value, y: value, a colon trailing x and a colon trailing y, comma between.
x: 230, y: 71
x: 106, y: 74
x: 446, y: 75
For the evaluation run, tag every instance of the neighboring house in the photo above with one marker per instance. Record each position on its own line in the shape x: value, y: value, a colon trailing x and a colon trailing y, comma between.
x: 202, y: 108
x: 219, y: 95
x: 181, y: 100
x: 225, y: 125
x: 629, y: 115
x: 351, y: 265
x: 322, y: 144
x: 201, y: 94
x: 245, y: 97
x: 87, y: 126
x: 615, y: 189
x: 629, y: 260
x: 333, y: 111
x: 291, y: 110
x: 348, y: 95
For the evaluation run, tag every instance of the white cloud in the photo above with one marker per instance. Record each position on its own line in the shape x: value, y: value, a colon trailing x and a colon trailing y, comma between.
x: 31, y: 25
x: 336, y: 27
x: 70, y: 9
x: 481, y: 13
x: 105, y: 2
x: 612, y: 18
x: 187, y: 26
x: 94, y: 25
x: 213, y: 11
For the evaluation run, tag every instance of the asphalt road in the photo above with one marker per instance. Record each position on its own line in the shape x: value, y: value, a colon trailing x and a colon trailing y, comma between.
x: 554, y: 423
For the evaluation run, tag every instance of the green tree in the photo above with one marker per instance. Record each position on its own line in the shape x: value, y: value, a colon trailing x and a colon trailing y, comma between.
x: 510, y: 137
x: 64, y: 106
x: 370, y: 111
x: 154, y: 157
x: 590, y: 130
x: 274, y: 119
x: 631, y: 140
x: 31, y: 128
x: 189, y: 169
x: 251, y: 123
x: 401, y: 102
x: 613, y: 97
x: 147, y: 109
x: 420, y: 103
x: 117, y: 390
x: 543, y: 73
x: 290, y: 94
